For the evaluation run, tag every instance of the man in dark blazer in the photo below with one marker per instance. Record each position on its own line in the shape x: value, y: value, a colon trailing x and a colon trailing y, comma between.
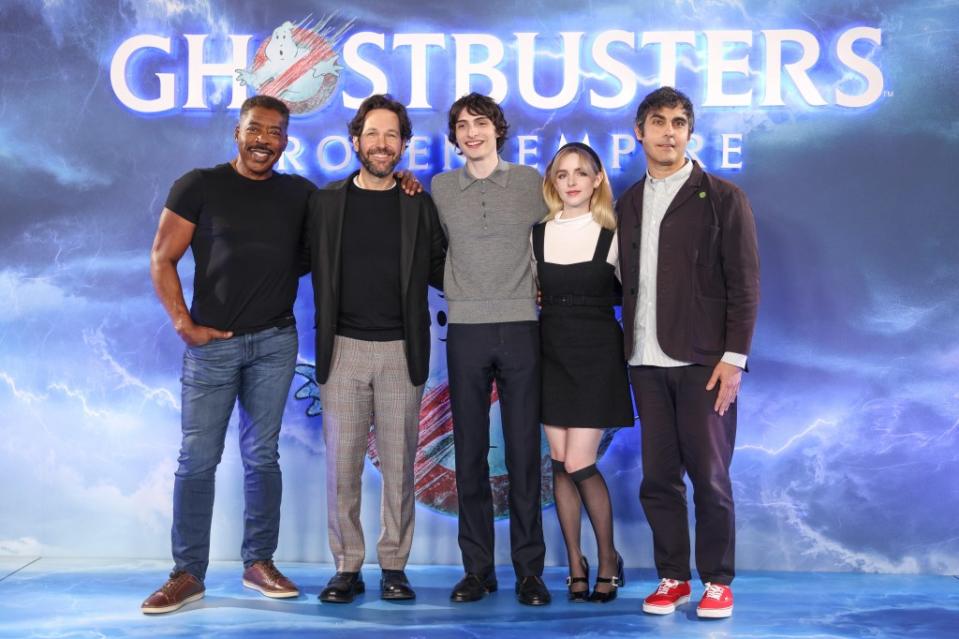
x: 690, y: 272
x: 373, y: 252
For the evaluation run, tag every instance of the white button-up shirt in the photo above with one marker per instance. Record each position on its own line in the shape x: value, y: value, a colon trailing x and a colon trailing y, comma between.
x: 658, y: 194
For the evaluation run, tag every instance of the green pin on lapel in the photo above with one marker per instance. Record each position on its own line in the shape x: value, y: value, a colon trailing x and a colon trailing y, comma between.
x: 702, y: 195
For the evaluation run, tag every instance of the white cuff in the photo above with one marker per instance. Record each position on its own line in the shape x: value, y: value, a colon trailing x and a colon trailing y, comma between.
x: 736, y: 359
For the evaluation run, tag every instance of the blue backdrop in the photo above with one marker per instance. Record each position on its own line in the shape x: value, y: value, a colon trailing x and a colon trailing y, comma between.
x: 837, y: 118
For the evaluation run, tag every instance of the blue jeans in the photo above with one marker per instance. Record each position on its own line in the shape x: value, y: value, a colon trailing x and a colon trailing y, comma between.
x: 257, y: 369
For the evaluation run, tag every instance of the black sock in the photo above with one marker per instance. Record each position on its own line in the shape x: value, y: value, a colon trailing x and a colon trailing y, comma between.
x: 569, y: 512
x: 595, y: 497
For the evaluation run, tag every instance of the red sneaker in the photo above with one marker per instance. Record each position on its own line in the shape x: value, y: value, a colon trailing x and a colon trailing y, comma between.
x: 717, y: 602
x: 668, y: 595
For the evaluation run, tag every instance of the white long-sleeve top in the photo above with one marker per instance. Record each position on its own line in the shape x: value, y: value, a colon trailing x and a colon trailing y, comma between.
x: 573, y: 240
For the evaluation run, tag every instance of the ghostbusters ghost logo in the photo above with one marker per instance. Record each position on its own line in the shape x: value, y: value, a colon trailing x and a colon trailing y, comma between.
x: 297, y: 64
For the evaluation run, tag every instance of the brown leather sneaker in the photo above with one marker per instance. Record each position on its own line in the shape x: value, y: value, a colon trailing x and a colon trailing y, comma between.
x: 180, y: 589
x: 265, y: 577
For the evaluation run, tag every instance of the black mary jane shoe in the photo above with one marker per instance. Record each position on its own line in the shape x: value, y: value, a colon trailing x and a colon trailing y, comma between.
x: 617, y: 581
x: 579, y: 595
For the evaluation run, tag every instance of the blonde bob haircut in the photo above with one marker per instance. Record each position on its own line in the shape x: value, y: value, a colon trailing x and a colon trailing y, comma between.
x: 601, y: 202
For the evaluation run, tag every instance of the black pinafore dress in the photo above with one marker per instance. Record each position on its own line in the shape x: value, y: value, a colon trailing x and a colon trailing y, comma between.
x: 585, y: 382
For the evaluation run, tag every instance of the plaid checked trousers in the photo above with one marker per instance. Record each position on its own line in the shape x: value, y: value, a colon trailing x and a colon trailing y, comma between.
x: 369, y: 383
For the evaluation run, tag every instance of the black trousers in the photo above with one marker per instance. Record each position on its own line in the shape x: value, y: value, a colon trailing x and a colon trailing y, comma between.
x: 476, y: 355
x: 682, y: 433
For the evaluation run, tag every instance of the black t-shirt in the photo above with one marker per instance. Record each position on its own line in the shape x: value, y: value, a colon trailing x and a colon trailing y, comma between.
x: 246, y: 245
x: 371, y: 307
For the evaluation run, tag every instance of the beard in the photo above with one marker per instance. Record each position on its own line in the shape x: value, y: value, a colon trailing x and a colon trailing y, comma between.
x: 383, y: 170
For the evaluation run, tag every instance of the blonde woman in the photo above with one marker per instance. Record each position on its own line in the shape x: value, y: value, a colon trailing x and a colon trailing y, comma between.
x: 585, y: 387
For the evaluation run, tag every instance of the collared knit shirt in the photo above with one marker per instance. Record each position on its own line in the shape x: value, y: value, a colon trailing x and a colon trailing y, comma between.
x: 487, y: 221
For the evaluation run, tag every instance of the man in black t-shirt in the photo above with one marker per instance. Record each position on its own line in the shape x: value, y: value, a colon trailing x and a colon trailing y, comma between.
x: 244, y: 224
x: 373, y: 252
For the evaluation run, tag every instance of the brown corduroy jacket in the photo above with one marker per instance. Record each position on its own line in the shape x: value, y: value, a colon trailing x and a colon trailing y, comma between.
x: 707, y: 278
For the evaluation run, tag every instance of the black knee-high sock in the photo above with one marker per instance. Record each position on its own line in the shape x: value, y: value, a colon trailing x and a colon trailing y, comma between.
x: 569, y: 512
x: 595, y: 497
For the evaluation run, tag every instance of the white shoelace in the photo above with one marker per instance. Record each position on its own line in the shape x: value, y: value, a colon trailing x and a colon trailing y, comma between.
x: 713, y: 592
x: 665, y: 585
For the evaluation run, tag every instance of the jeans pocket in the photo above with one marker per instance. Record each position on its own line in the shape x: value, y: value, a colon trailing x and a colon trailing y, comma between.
x: 208, y: 350
x: 212, y: 364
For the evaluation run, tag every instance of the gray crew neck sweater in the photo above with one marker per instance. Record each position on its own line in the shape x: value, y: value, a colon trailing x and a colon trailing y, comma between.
x: 487, y: 221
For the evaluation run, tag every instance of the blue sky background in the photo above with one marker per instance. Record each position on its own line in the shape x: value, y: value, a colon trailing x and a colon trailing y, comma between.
x: 848, y: 447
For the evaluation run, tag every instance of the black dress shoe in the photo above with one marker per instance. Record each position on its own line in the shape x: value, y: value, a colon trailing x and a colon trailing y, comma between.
x: 579, y: 595
x: 617, y: 581
x: 395, y: 586
x: 472, y: 588
x: 343, y: 587
x: 531, y: 591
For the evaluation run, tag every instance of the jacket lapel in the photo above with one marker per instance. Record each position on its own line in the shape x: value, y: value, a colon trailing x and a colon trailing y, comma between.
x: 687, y: 190
x: 336, y: 232
x: 637, y: 203
x: 409, y: 220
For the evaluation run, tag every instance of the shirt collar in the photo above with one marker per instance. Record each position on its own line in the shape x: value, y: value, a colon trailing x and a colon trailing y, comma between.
x: 356, y: 183
x: 679, y: 176
x: 573, y: 222
x: 499, y: 176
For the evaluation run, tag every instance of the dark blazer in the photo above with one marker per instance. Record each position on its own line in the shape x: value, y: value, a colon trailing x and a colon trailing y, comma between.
x: 707, y: 279
x: 422, y: 257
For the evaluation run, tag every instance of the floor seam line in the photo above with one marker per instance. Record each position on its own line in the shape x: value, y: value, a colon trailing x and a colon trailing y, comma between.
x: 26, y: 565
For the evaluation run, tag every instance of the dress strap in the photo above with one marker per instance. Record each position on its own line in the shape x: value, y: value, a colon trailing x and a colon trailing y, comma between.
x: 602, y: 245
x: 539, y: 239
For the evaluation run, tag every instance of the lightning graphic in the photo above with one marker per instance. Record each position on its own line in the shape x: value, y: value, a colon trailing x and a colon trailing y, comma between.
x: 162, y: 396
x: 813, y: 427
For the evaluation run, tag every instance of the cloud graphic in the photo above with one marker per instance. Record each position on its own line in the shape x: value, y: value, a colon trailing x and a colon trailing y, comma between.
x: 66, y: 171
x: 22, y: 547
x: 22, y: 297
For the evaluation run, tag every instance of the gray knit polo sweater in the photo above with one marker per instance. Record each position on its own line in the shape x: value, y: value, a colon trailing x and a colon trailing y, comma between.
x: 487, y: 221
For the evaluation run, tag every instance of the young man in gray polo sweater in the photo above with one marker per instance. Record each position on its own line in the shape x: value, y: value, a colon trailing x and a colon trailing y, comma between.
x: 486, y: 210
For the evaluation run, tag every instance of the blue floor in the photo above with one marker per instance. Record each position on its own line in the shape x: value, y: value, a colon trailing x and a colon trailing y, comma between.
x: 86, y: 598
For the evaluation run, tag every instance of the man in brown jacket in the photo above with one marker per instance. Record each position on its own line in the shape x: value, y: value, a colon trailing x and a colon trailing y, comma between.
x: 690, y: 270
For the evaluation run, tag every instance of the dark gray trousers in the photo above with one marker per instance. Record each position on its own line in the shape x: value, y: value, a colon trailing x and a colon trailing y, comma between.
x: 681, y: 433
x: 478, y: 354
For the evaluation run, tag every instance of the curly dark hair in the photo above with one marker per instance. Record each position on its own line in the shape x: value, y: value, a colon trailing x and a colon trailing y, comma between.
x: 479, y: 104
x: 266, y: 102
x: 664, y: 97
x: 381, y: 101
